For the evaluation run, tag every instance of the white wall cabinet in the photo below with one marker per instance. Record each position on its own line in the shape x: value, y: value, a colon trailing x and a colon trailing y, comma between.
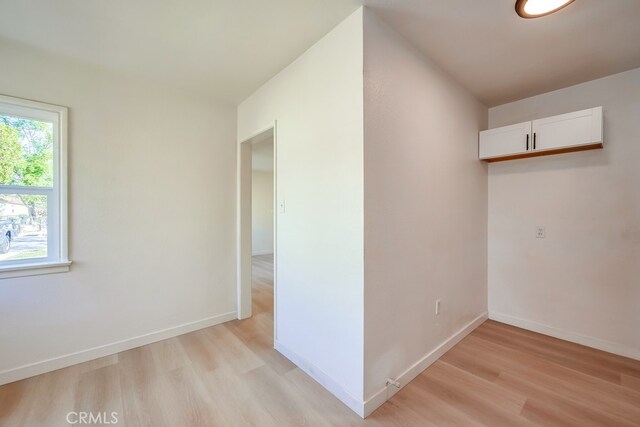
x: 577, y: 131
x: 505, y: 141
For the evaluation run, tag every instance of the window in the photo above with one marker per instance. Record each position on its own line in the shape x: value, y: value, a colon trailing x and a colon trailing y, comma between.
x: 33, y: 199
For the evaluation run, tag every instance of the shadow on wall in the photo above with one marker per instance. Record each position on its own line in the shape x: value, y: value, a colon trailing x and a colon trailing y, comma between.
x: 557, y: 162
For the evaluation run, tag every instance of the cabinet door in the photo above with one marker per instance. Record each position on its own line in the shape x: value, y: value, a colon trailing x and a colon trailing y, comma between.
x: 568, y: 130
x: 505, y: 141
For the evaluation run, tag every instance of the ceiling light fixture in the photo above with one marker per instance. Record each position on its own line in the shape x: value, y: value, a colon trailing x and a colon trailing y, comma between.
x: 537, y: 8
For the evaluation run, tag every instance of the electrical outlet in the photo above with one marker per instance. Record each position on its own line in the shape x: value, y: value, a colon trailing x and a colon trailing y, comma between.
x: 540, y: 232
x: 437, y: 307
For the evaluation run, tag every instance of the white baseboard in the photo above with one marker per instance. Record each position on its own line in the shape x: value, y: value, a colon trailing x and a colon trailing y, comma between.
x: 416, y: 369
x: 364, y: 409
x: 264, y: 252
x: 37, y: 368
x: 323, y: 379
x: 563, y: 334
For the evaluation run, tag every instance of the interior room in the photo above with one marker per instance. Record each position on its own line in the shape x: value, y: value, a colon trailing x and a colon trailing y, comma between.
x: 320, y: 213
x: 262, y: 229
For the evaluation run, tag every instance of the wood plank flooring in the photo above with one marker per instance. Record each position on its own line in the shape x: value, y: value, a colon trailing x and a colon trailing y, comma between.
x: 229, y: 375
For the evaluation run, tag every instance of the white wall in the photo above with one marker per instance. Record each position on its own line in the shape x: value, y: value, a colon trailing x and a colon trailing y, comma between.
x: 317, y: 102
x: 261, y: 212
x: 582, y: 282
x: 425, y: 208
x: 152, y: 217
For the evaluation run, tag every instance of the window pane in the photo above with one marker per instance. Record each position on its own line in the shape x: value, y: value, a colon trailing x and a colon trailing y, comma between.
x: 26, y: 152
x: 23, y: 227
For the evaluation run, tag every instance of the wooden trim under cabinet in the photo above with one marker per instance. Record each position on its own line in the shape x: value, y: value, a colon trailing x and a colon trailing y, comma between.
x: 545, y: 153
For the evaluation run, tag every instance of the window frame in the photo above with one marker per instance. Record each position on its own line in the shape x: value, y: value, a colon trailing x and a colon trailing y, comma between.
x: 57, y: 259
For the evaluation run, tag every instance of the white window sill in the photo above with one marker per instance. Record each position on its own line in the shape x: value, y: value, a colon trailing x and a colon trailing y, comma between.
x: 34, y: 269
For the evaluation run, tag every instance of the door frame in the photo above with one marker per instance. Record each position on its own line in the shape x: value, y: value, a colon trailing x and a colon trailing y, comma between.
x: 244, y: 226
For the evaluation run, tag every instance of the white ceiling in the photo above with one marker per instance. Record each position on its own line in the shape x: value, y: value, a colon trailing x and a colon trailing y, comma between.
x: 227, y: 48
x: 222, y: 48
x: 501, y: 57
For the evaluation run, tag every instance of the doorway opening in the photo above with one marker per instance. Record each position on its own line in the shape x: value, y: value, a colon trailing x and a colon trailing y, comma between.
x: 257, y: 227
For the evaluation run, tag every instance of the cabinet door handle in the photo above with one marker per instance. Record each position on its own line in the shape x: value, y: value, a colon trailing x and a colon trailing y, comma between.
x: 534, y: 140
x: 527, y: 142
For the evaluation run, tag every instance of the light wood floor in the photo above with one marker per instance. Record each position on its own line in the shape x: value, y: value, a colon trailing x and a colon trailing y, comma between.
x: 229, y: 375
